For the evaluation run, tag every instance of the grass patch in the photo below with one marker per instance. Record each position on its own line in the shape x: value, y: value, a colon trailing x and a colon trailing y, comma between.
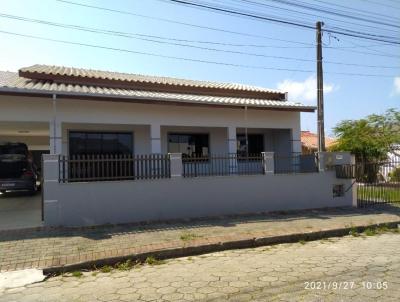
x: 106, y: 269
x: 77, y: 274
x: 124, y: 266
x: 302, y: 241
x: 153, y: 261
x: 370, y: 232
x: 354, y: 232
x: 189, y: 236
x: 378, y: 193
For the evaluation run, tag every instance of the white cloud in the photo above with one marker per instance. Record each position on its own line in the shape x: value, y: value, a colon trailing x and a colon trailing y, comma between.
x: 305, y: 91
x: 396, y: 86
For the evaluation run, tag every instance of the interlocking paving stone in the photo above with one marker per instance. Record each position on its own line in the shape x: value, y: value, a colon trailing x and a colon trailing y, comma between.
x: 374, y: 259
x: 46, y: 248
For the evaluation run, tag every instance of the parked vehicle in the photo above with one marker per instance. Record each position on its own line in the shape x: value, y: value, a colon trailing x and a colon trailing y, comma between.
x: 17, y: 170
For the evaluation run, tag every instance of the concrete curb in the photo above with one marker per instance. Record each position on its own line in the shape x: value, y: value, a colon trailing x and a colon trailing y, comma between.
x: 186, y: 251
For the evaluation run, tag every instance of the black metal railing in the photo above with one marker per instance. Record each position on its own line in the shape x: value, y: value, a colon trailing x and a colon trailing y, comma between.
x: 377, y: 182
x: 222, y: 165
x: 295, y: 163
x: 109, y: 167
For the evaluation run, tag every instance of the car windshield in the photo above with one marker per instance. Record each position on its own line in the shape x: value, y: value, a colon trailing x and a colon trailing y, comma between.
x: 12, y: 149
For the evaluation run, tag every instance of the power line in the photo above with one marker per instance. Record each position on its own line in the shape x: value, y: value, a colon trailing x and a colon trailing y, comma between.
x: 244, y: 14
x: 262, y: 18
x: 181, y: 23
x: 199, y: 26
x: 380, y: 4
x: 310, y: 14
x: 131, y: 36
x: 185, y: 58
x: 304, y: 5
x: 362, y: 52
x: 373, y: 14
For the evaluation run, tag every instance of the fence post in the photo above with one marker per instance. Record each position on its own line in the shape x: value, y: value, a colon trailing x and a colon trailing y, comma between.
x: 176, y: 164
x: 353, y: 181
x: 268, y: 162
x: 50, y: 174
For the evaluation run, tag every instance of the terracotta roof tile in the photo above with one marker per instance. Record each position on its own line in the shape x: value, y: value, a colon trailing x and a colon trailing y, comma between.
x: 310, y: 140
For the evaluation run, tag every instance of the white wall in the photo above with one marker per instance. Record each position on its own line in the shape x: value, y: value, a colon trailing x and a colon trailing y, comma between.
x: 71, y: 111
x: 33, y: 142
x: 77, y: 204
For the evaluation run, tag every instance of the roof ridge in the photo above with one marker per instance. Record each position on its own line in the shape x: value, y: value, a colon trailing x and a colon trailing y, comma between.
x: 84, y: 72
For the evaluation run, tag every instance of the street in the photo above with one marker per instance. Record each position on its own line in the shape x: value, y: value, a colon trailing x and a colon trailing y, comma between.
x: 365, y: 268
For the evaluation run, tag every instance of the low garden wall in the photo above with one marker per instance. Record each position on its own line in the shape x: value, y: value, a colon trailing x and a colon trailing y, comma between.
x: 94, y: 203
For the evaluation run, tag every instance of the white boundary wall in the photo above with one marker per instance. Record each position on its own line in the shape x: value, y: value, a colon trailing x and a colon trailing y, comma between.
x: 94, y: 203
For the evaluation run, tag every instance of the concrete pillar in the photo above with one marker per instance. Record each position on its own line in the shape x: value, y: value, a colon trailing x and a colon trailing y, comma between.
x: 55, y: 133
x: 155, y: 137
x: 355, y: 187
x: 296, y: 141
x: 176, y: 164
x: 232, y: 140
x: 268, y: 162
x: 51, y: 206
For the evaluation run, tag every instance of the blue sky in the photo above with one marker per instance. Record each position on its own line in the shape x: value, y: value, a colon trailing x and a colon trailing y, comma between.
x: 346, y: 97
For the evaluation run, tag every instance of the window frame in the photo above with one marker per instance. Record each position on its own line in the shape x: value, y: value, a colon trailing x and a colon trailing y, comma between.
x: 131, y: 133
x: 190, y: 133
x: 262, y: 135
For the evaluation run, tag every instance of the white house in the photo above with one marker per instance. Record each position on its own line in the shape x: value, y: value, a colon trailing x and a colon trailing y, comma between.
x: 57, y: 108
x: 101, y: 126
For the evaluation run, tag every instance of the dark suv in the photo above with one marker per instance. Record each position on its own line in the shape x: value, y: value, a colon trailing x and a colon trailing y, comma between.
x: 17, y: 170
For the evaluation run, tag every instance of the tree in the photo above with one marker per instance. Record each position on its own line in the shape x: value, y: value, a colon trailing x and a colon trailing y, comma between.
x: 395, y: 175
x: 370, y: 138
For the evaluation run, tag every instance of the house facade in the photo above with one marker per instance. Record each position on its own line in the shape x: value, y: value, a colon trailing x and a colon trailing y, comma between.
x: 73, y: 111
x: 133, y: 148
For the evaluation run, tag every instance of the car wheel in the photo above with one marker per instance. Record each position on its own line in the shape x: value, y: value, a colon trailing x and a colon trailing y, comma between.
x: 34, y: 188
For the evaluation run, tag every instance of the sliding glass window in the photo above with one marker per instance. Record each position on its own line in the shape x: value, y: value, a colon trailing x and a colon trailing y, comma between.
x: 190, y: 145
x: 96, y: 143
x: 255, y: 144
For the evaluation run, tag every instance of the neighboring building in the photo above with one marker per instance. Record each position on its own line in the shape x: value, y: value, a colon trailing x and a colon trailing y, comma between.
x: 309, y: 142
x: 75, y: 111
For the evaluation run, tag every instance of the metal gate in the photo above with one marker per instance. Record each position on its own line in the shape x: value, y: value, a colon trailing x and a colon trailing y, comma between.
x: 377, y: 182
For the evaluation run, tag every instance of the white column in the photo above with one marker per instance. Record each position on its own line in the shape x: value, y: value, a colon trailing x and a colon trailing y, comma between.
x: 296, y: 140
x: 176, y: 164
x: 155, y: 137
x: 55, y: 134
x: 232, y: 144
x: 268, y: 162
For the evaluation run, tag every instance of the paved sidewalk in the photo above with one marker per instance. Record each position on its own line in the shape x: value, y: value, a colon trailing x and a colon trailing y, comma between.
x: 355, y: 269
x: 46, y: 248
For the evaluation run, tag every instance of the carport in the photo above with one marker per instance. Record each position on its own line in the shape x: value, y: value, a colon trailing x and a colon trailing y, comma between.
x: 20, y: 209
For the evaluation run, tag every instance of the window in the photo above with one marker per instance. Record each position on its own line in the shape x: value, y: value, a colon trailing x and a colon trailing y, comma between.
x: 255, y: 144
x: 87, y: 143
x: 190, y: 145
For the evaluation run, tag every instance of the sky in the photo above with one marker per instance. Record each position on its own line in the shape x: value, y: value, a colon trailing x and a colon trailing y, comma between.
x: 264, y: 45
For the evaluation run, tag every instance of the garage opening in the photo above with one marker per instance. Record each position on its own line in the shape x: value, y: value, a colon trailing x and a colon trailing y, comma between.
x: 22, y: 145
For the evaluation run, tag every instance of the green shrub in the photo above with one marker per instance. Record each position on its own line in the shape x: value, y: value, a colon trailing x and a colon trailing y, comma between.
x: 153, y: 261
x: 395, y: 175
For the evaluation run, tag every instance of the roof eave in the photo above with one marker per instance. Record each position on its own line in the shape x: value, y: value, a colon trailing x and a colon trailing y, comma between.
x: 138, y: 99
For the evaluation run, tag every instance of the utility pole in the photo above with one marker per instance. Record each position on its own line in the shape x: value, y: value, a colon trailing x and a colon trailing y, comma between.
x: 320, y: 90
